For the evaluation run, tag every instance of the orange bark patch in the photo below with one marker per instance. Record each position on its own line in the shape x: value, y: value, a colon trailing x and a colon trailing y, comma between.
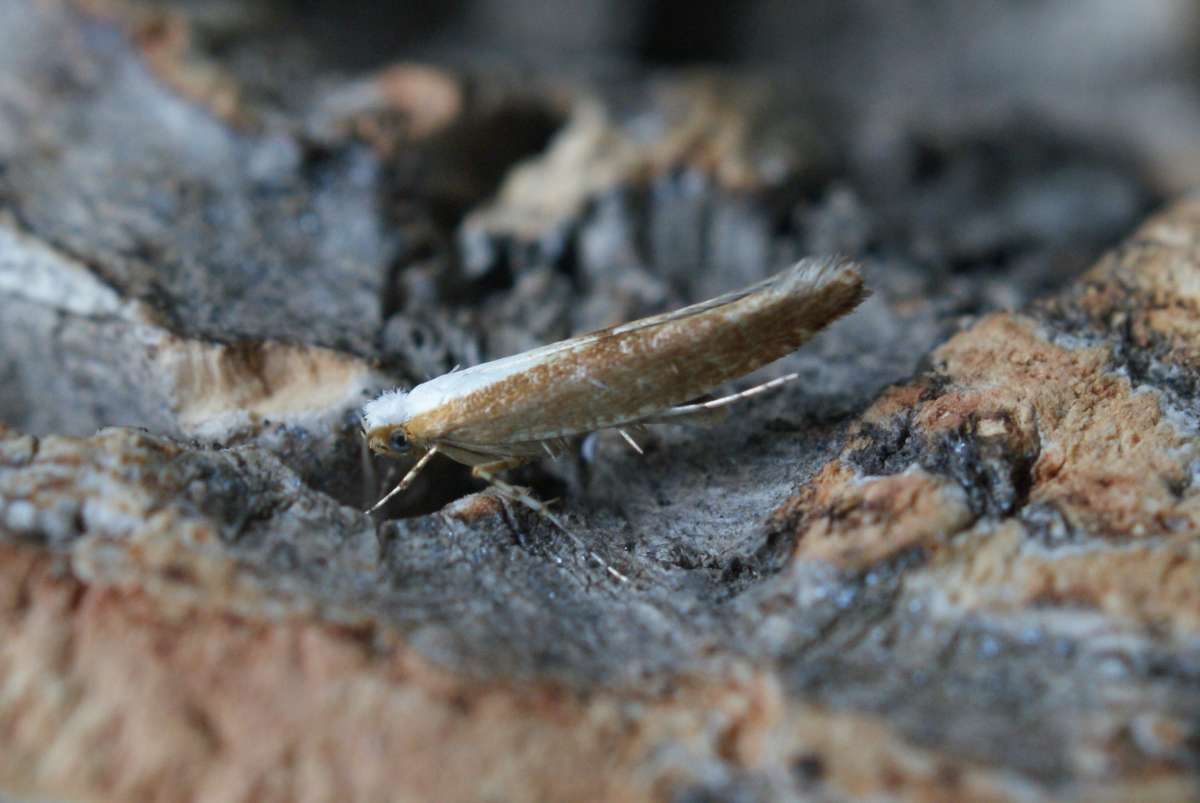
x: 1087, y: 445
x: 102, y: 697
x: 1107, y: 458
x: 855, y: 524
x: 1150, y: 287
x: 1150, y: 586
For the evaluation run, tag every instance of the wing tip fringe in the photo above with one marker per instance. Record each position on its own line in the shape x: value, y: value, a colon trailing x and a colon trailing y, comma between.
x: 813, y: 274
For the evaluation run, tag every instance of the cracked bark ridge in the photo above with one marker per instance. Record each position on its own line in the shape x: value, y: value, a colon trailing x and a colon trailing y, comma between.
x: 1061, y: 476
x: 976, y: 584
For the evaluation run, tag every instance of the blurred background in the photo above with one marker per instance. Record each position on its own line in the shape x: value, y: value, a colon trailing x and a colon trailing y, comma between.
x: 1120, y: 73
x: 1127, y: 71
x: 907, y: 43
x: 538, y: 168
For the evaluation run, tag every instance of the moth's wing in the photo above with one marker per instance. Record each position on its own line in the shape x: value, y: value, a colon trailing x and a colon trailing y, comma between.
x: 468, y: 380
x: 474, y: 454
x: 640, y: 369
x: 686, y: 312
x: 478, y: 375
x: 478, y: 455
x: 506, y: 366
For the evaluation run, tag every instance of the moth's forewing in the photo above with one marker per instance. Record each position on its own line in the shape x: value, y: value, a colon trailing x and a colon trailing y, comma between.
x: 630, y: 372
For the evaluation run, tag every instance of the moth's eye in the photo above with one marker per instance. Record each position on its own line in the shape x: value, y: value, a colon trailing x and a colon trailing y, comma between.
x: 397, y: 442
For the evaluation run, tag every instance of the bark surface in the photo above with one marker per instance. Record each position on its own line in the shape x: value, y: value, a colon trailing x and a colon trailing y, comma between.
x: 958, y: 561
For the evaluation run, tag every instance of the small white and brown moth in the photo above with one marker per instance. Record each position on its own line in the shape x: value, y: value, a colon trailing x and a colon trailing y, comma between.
x: 501, y: 414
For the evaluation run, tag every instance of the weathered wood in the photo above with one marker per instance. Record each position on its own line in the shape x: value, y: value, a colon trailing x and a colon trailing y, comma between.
x: 958, y: 561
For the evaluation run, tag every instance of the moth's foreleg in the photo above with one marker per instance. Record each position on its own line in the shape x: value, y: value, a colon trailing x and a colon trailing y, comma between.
x: 408, y: 478
x: 515, y: 494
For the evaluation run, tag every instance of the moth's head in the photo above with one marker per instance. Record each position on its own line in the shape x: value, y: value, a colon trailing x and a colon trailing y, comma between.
x: 383, y: 424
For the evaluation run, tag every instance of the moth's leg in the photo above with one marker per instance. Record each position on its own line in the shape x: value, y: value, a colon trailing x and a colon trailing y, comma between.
x: 488, y: 471
x: 554, y: 447
x: 697, y: 418
x: 408, y: 478
x: 519, y: 535
x: 700, y: 408
x: 629, y: 439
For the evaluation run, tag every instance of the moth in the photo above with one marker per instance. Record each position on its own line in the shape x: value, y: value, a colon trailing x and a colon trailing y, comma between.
x: 502, y: 414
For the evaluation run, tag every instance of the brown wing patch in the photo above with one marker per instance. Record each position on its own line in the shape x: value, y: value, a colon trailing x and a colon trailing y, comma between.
x: 635, y: 370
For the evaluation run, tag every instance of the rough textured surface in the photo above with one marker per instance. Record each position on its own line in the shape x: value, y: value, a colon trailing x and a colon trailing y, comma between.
x: 958, y: 561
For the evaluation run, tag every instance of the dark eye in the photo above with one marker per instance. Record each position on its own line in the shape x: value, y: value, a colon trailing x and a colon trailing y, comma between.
x: 397, y: 442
